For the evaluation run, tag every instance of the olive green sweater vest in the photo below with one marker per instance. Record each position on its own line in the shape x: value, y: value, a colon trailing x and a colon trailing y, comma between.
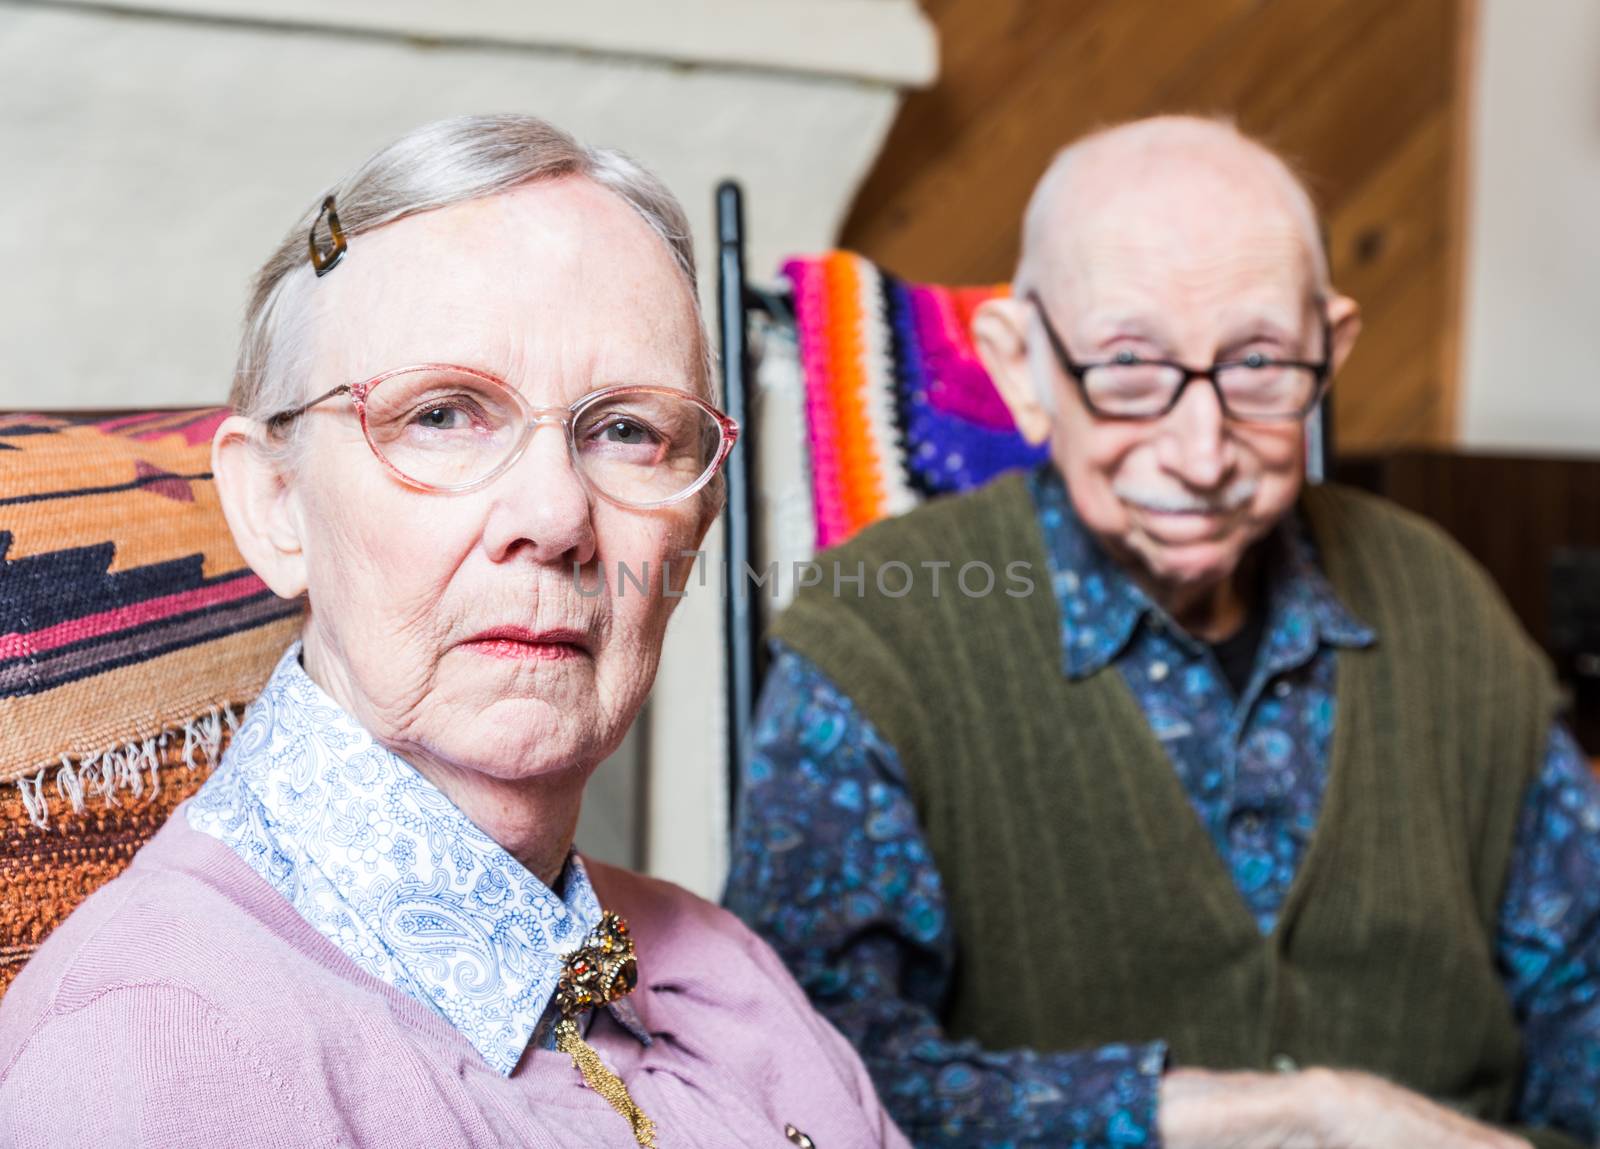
x: 1088, y: 902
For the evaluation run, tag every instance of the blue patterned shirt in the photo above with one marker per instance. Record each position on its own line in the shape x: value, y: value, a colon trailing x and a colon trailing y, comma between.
x: 388, y: 870
x: 831, y: 866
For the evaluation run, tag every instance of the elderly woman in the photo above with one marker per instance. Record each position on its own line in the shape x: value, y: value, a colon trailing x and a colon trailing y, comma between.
x: 473, y: 386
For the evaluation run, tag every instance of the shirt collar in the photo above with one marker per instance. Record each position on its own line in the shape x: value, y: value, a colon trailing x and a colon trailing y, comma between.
x: 387, y: 869
x: 1101, y: 607
x: 1303, y: 608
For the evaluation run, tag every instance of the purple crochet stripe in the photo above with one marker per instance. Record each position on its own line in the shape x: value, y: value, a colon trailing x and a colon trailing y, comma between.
x: 954, y: 432
x: 945, y: 453
x: 958, y: 383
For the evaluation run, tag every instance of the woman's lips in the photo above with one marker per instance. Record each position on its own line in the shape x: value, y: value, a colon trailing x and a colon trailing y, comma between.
x: 517, y: 643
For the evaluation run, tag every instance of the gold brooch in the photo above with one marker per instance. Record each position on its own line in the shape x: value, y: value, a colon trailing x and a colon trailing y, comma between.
x: 602, y: 970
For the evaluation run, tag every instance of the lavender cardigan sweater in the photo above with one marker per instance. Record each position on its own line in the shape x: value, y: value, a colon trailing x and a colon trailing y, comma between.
x: 187, y: 1003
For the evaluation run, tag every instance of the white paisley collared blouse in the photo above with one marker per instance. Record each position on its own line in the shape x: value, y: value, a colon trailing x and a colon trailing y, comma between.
x: 390, y: 871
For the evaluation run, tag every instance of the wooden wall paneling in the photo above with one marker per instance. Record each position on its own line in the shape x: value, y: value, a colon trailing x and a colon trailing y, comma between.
x: 1365, y: 96
x: 1458, y: 200
x: 1509, y: 512
x: 945, y: 200
x: 1389, y: 244
x: 1512, y: 514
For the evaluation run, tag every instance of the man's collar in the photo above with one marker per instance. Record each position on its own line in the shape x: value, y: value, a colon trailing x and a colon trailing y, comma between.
x: 383, y: 865
x: 1296, y: 581
x: 1101, y: 606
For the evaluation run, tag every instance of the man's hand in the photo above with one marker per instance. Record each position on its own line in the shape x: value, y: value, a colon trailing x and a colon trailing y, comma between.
x: 1315, y: 1109
x: 1204, y: 1110
x: 1360, y: 1111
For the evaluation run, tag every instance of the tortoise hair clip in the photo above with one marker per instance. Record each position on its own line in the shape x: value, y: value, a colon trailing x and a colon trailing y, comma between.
x: 325, y: 261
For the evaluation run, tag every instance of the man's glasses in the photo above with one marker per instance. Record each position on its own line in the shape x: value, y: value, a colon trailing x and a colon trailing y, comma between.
x: 1255, y: 388
x: 445, y: 428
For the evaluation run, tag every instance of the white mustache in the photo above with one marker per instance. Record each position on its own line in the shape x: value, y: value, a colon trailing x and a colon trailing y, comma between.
x: 1237, y: 494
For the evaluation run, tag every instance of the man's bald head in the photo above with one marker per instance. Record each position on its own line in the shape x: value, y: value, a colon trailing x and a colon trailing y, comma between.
x: 1154, y: 171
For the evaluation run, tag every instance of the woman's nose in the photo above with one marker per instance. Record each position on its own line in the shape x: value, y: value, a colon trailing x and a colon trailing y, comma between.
x: 541, y: 506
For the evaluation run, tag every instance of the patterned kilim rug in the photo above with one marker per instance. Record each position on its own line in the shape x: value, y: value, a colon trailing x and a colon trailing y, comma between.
x: 131, y: 637
x: 899, y: 408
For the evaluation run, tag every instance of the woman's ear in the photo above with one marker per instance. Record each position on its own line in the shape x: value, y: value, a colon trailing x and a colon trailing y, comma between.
x: 253, y: 485
x: 999, y: 329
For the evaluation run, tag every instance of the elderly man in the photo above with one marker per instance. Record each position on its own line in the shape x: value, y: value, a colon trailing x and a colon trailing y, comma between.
x: 1252, y: 825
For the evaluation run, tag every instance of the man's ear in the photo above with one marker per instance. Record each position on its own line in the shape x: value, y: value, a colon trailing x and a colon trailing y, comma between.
x: 999, y: 329
x: 254, y: 489
x: 1344, y: 325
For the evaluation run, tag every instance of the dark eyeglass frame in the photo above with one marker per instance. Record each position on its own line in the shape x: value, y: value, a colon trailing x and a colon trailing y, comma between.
x: 1322, y: 371
x: 533, y: 418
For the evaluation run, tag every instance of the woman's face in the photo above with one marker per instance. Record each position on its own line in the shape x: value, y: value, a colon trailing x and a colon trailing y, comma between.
x: 452, y: 625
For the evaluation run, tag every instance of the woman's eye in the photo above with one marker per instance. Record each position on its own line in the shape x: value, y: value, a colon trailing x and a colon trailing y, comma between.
x: 442, y: 418
x: 625, y: 432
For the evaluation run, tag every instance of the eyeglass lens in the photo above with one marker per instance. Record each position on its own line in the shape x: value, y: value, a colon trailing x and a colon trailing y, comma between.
x: 449, y: 430
x: 1270, y: 391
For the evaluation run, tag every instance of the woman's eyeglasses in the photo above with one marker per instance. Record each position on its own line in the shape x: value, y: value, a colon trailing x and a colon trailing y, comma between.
x: 445, y: 428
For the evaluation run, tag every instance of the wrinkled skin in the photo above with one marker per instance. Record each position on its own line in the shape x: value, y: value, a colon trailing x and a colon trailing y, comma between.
x: 1176, y: 248
x: 560, y: 289
x: 1315, y: 1109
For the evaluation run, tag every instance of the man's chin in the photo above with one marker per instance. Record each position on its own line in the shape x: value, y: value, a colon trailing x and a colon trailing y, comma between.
x: 1192, y: 566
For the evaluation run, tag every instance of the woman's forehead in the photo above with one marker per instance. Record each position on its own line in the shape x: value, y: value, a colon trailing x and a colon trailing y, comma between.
x: 560, y: 279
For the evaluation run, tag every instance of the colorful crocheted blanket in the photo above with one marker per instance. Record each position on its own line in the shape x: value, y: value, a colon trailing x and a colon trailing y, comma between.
x: 131, y: 632
x: 899, y: 408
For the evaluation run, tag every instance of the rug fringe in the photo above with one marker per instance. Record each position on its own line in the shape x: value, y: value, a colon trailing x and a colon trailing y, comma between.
x: 125, y: 767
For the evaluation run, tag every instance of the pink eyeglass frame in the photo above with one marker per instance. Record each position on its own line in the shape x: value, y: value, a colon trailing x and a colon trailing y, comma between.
x: 533, y: 418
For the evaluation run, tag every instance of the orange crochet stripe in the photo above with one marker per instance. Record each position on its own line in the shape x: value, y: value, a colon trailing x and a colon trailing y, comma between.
x: 862, y: 493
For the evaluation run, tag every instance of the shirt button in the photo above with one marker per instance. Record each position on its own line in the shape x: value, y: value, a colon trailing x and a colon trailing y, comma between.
x: 1159, y: 671
x: 1249, y: 822
x: 1283, y: 1063
x: 798, y: 1138
x: 1282, y: 690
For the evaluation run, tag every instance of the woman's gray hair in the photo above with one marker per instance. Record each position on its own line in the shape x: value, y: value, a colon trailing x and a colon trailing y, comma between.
x: 447, y: 162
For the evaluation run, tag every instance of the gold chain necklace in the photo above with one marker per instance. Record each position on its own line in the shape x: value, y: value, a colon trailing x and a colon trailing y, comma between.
x: 602, y: 970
